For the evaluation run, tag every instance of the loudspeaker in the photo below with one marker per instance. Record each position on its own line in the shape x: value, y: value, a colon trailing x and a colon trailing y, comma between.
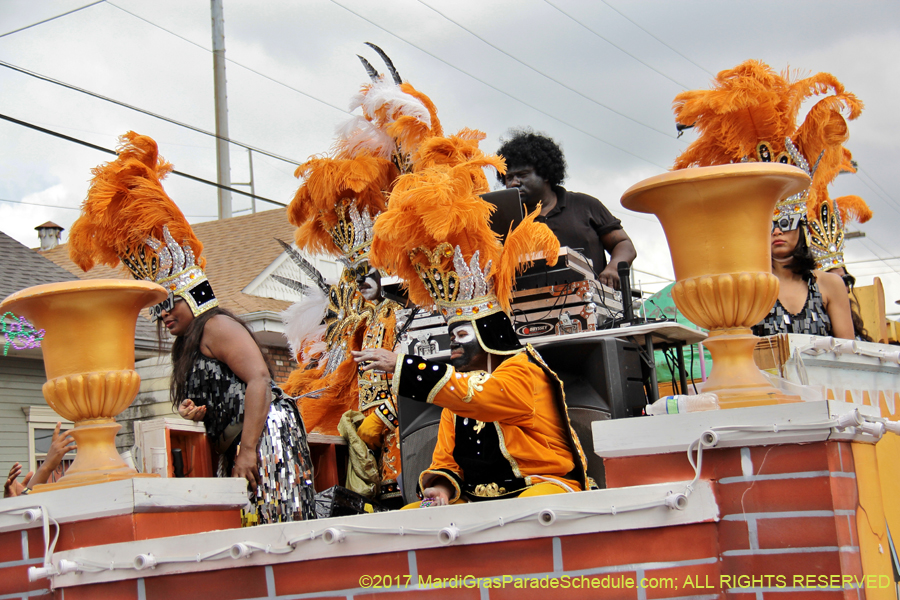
x: 419, y: 422
x: 603, y: 374
x: 602, y: 379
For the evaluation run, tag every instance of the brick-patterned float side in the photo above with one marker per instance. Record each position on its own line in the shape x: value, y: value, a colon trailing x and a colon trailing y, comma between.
x: 788, y: 516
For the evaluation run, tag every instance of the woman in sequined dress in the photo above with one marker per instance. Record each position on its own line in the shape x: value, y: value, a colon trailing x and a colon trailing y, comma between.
x: 809, y: 301
x: 220, y: 377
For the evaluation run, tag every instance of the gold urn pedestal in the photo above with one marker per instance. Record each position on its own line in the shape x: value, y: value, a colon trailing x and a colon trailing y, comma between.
x: 88, y: 350
x: 717, y: 222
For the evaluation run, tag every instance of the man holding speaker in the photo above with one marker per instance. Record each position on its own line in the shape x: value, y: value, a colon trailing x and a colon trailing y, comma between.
x: 536, y: 167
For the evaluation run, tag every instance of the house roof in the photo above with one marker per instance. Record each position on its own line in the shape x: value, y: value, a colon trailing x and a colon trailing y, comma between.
x: 237, y: 250
x: 23, y: 267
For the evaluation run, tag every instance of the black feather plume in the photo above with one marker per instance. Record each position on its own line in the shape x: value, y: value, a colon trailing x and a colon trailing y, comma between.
x: 292, y: 283
x: 305, y: 266
x: 373, y: 74
x: 387, y: 61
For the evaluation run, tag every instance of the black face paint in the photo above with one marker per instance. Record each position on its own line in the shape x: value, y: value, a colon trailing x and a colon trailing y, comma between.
x: 463, y: 337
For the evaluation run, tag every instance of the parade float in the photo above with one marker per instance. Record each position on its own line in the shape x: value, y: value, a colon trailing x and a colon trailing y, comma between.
x: 792, y: 497
x: 787, y: 491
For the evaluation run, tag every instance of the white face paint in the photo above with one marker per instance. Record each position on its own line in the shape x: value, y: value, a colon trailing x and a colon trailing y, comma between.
x: 369, y: 289
x: 463, y: 334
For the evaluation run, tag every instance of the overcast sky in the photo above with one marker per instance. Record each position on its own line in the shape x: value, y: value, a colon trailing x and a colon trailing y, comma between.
x: 597, y: 76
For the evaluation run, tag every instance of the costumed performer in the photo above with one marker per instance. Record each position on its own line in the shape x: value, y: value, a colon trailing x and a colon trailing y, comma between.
x: 219, y: 373
x: 504, y: 430
x: 751, y: 115
x: 334, y: 211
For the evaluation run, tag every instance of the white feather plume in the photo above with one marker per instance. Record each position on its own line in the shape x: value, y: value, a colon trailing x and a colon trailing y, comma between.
x: 357, y: 135
x: 398, y: 103
x: 303, y: 320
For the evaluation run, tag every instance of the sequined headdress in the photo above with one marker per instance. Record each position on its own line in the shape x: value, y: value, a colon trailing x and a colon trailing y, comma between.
x: 750, y: 114
x: 128, y: 217
x: 826, y: 228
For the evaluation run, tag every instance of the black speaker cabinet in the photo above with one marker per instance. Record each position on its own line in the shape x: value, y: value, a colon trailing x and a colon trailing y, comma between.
x: 419, y: 424
x: 603, y: 374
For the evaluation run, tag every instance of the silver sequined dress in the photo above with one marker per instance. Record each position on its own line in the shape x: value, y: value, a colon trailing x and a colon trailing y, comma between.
x: 811, y: 320
x: 286, y: 492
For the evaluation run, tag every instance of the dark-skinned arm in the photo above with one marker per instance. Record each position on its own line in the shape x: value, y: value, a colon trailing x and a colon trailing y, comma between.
x: 620, y: 248
x: 837, y: 304
x: 226, y: 340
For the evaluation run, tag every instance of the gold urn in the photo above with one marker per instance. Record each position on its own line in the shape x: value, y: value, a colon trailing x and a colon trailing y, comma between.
x: 88, y: 350
x: 718, y: 222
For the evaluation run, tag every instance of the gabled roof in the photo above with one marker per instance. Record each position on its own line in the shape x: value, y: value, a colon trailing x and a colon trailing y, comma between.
x: 23, y: 267
x: 237, y: 250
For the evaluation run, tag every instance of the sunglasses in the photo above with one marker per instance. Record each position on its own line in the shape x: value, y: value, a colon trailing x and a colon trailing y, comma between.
x: 787, y: 223
x: 165, y: 306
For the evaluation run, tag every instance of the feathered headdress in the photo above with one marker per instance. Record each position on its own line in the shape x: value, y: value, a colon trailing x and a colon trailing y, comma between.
x: 127, y: 216
x: 751, y: 115
x: 436, y: 236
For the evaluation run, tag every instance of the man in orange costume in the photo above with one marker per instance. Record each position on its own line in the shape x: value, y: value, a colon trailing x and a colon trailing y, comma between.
x: 504, y: 430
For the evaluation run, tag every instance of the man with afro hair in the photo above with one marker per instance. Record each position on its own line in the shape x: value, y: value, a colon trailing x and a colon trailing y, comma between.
x: 535, y: 165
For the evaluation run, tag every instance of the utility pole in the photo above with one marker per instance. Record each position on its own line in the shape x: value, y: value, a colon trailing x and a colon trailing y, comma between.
x: 223, y: 162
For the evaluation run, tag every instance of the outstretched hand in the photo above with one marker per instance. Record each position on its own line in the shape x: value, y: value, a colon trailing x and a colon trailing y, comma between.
x: 12, y: 487
x: 378, y: 359
x: 62, y: 443
x: 438, y: 494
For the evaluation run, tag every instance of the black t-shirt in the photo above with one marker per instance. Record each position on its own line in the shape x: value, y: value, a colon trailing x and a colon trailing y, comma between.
x: 580, y: 221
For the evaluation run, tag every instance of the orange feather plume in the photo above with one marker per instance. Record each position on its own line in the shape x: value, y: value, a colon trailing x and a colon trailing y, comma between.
x: 125, y: 205
x: 340, y: 393
x: 751, y: 104
x: 363, y: 179
x: 435, y: 205
x: 519, y: 249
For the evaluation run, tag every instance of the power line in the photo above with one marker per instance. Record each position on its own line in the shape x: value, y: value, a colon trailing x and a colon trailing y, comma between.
x: 859, y: 262
x: 872, y: 179
x: 874, y: 191
x: 554, y: 80
x: 263, y: 75
x: 38, y: 204
x: 141, y: 110
x: 79, y: 208
x: 892, y: 268
x: 619, y: 48
x: 114, y: 153
x: 496, y: 89
x: 621, y: 14
x: 50, y: 19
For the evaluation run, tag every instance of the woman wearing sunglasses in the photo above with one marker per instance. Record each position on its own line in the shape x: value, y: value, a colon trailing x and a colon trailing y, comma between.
x: 809, y: 301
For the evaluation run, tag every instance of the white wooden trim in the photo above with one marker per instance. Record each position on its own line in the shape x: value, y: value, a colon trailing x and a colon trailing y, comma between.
x: 150, y: 494
x: 701, y: 507
x: 664, y: 434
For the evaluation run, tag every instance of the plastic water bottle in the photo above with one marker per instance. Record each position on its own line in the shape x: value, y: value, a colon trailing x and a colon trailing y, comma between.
x: 669, y: 405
